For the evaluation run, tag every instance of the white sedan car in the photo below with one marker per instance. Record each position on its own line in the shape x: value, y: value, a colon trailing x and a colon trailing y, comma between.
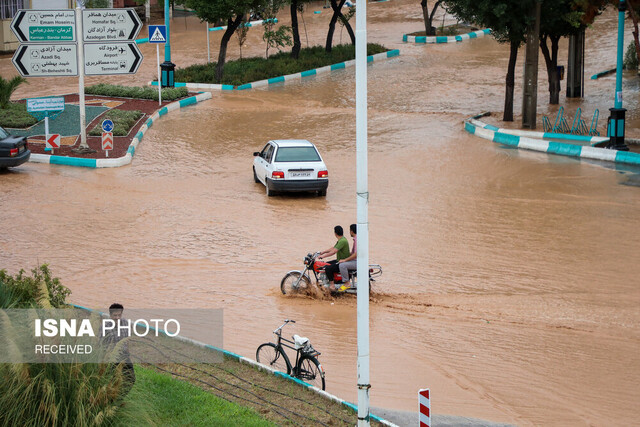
x: 290, y: 165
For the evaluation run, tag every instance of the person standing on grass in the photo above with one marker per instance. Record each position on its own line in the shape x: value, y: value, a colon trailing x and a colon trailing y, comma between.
x: 112, y: 337
x: 340, y: 250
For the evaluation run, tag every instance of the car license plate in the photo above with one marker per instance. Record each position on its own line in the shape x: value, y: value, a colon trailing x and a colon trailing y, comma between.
x: 300, y: 174
x: 21, y: 149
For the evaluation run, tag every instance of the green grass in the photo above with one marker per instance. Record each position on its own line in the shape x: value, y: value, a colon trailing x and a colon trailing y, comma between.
x: 123, y: 121
x: 170, y: 402
x: 248, y: 70
x: 15, y: 116
x: 142, y: 92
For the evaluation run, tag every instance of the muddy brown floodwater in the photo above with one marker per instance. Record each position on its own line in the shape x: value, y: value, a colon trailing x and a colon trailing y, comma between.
x: 511, y: 283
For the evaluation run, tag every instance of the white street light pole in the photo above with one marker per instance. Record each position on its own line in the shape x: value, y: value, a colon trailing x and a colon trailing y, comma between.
x: 80, y: 36
x: 362, y: 193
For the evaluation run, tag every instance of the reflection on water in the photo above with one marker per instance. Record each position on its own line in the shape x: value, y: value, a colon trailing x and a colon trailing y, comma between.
x: 510, y: 285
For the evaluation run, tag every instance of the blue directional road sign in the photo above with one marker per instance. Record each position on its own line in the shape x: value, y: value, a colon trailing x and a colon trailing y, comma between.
x: 107, y: 125
x: 157, y: 33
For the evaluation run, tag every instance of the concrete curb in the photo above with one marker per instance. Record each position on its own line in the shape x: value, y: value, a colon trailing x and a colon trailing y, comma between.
x: 561, y: 148
x: 127, y: 158
x: 264, y: 368
x: 446, y: 39
x: 541, y: 135
x: 287, y: 78
x: 603, y: 73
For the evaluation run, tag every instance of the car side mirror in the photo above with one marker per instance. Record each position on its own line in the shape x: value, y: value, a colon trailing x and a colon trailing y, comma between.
x: 256, y: 153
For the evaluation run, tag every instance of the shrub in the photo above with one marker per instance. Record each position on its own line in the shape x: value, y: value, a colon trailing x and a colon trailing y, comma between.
x: 15, y: 115
x: 39, y: 290
x: 60, y: 394
x: 251, y: 69
x: 123, y: 121
x: 143, y: 92
x: 7, y: 87
x: 631, y: 57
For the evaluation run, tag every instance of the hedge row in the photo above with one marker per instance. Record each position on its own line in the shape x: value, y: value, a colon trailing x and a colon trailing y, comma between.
x: 143, y: 92
x: 248, y: 70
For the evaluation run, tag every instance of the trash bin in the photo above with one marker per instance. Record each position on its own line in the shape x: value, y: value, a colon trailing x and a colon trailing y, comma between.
x: 167, y: 70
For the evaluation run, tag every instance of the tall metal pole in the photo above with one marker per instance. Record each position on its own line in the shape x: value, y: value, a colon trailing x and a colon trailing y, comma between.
x: 167, y: 21
x: 362, y: 190
x: 167, y: 67
x: 617, y: 119
x: 83, y: 117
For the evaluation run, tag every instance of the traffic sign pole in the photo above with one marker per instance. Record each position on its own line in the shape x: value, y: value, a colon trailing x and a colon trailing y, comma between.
x: 83, y: 115
x: 46, y: 128
x: 159, y: 84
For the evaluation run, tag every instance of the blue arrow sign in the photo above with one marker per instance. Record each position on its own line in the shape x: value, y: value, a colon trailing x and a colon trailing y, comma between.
x: 157, y: 33
x: 107, y: 125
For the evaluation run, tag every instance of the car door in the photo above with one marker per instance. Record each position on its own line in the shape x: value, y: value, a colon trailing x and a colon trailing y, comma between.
x: 261, y: 163
x: 268, y: 162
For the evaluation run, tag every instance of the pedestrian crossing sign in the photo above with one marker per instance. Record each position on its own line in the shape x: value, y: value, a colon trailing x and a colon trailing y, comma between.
x: 157, y: 33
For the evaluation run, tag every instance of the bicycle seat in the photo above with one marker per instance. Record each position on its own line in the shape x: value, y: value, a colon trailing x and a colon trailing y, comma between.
x: 300, y: 341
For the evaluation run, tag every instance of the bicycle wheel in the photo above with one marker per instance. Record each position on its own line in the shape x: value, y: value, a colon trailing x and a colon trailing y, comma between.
x: 268, y: 354
x: 310, y: 370
x: 289, y: 286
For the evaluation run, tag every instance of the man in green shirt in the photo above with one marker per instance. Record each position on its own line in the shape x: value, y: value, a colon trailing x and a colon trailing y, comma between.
x: 340, y: 250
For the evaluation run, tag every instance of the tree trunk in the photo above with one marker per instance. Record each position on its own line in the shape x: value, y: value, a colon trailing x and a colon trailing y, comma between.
x: 349, y: 30
x: 232, y: 25
x: 634, y: 18
x: 430, y: 30
x: 551, y: 61
x: 332, y: 24
x: 510, y: 82
x: 295, y: 52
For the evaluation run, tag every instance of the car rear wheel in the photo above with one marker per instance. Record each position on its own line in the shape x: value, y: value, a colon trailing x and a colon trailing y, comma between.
x: 270, y: 192
x: 322, y: 193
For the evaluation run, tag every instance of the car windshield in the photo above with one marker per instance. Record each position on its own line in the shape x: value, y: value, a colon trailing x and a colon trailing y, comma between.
x: 297, y: 154
x: 3, y: 133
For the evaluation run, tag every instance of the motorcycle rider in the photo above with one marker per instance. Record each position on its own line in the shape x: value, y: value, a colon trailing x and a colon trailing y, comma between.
x: 340, y: 250
x: 350, y: 262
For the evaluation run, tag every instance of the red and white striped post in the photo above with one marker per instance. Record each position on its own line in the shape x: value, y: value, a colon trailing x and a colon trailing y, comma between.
x: 425, y: 407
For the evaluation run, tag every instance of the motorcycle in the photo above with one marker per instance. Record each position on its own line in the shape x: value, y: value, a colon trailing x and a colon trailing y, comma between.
x: 296, y: 281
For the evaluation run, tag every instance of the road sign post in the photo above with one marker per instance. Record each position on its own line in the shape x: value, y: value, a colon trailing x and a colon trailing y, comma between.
x: 107, y: 136
x: 158, y: 35
x: 107, y: 142
x: 46, y: 106
x: 53, y: 44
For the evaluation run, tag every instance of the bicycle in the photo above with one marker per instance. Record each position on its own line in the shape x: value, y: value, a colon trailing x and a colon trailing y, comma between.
x: 306, y: 368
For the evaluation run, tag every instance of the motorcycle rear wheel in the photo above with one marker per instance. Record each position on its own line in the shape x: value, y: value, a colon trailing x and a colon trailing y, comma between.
x: 288, y: 283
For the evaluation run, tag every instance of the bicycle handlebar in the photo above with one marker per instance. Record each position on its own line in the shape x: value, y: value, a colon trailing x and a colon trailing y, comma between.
x: 277, y: 331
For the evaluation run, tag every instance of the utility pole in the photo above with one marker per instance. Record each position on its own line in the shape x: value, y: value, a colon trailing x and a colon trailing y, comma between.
x: 362, y: 197
x: 615, y: 130
x: 530, y: 96
x: 167, y: 67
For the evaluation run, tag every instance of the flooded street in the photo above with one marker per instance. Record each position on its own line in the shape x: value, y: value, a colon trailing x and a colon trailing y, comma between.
x: 511, y: 283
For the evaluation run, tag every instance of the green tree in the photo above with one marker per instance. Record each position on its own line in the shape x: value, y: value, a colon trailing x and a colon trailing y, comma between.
x: 229, y: 11
x: 7, y: 87
x: 241, y: 33
x: 508, y: 20
x: 336, y: 6
x: 273, y: 37
x: 634, y: 12
x: 428, y: 17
